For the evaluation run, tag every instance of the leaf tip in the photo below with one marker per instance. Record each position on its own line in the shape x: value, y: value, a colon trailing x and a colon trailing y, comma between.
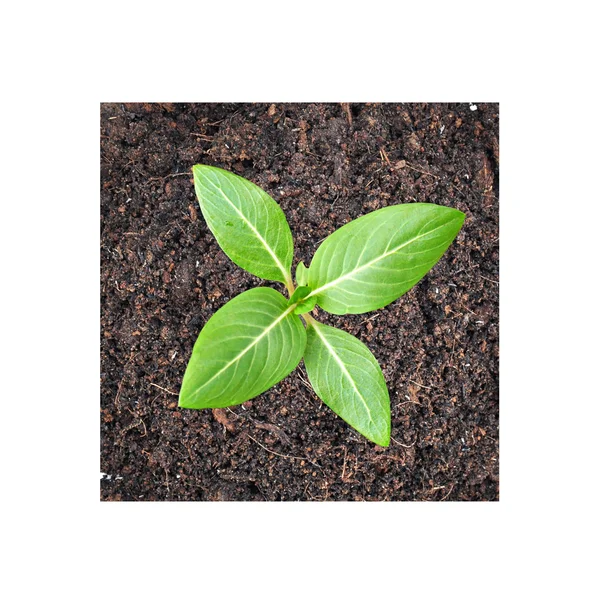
x: 301, y: 274
x: 181, y: 403
x: 384, y: 443
x: 382, y: 438
x: 459, y: 216
x: 456, y: 220
x: 184, y: 398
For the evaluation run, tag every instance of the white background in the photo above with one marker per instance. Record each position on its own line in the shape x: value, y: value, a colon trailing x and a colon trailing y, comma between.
x: 61, y: 59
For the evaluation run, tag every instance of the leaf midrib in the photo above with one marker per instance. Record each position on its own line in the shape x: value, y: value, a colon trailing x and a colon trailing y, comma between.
x: 256, y: 232
x: 247, y: 348
x: 370, y: 263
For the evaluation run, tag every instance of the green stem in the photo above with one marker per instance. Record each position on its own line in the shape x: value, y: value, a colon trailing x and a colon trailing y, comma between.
x: 289, y: 284
x: 308, y: 319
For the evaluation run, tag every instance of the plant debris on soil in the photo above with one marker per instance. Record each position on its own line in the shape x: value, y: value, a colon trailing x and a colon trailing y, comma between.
x: 163, y: 275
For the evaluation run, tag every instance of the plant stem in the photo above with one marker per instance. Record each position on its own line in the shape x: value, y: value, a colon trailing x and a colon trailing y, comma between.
x: 309, y: 320
x: 289, y: 284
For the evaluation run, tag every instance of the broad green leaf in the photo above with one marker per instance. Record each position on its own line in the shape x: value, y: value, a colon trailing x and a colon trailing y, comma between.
x: 248, y: 224
x: 246, y: 347
x: 346, y: 376
x: 373, y: 260
x: 301, y: 274
x: 298, y: 294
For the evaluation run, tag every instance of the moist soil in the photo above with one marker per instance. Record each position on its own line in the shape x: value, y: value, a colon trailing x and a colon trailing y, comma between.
x: 163, y: 275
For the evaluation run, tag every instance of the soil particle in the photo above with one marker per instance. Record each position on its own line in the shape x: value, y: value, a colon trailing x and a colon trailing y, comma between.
x: 163, y: 275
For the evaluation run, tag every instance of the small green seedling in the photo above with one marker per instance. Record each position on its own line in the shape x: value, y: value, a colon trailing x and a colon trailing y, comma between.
x: 258, y: 337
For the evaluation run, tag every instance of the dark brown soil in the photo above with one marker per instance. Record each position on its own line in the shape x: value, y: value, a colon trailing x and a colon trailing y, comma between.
x: 163, y: 275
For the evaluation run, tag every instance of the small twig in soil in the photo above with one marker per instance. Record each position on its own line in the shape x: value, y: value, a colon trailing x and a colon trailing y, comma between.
x: 225, y: 118
x: 175, y: 450
x: 422, y: 386
x: 306, y: 489
x: 346, y: 107
x: 319, y: 241
x: 164, y: 389
x: 490, y: 280
x: 420, y: 171
x: 313, y: 154
x: 167, y: 176
x: 189, y: 451
x: 346, y: 477
x: 305, y: 383
x: 119, y: 392
x: 403, y: 445
x: 369, y: 319
x: 131, y: 357
x: 385, y: 158
x: 277, y: 431
x: 453, y: 343
x: 471, y: 312
x: 133, y: 425
x: 408, y: 402
x: 449, y: 492
x: 282, y: 455
x: 144, y: 426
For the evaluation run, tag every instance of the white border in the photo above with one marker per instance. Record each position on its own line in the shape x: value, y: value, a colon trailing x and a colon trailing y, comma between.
x: 62, y: 60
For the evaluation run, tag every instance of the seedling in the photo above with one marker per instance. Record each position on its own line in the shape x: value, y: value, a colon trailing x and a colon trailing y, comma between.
x: 258, y: 337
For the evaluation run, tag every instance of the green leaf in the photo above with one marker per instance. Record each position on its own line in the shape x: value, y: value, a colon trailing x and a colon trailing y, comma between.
x: 301, y: 274
x: 298, y: 294
x: 346, y: 376
x: 246, y: 347
x: 373, y: 260
x: 248, y: 224
x: 305, y: 305
x: 298, y: 297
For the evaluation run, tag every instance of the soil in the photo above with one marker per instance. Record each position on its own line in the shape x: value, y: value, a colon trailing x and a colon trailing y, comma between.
x: 163, y: 275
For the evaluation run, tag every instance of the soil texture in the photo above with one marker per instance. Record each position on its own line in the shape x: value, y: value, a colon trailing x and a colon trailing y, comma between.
x: 163, y: 275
